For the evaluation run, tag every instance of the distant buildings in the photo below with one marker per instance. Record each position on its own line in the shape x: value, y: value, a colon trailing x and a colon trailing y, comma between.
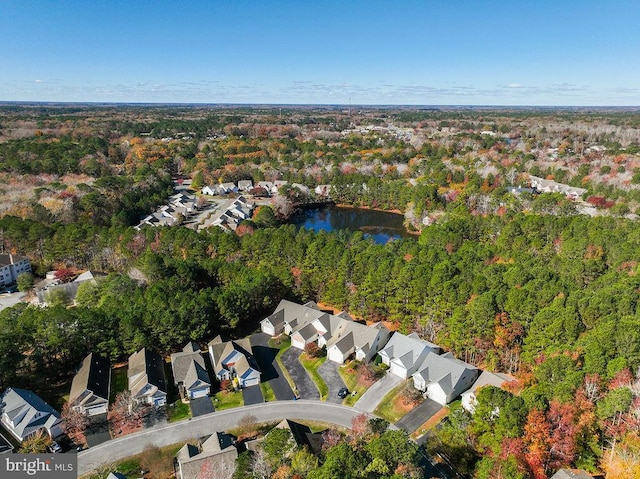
x: 179, y: 207
x: 230, y: 215
x: 12, y: 266
x: 549, y: 186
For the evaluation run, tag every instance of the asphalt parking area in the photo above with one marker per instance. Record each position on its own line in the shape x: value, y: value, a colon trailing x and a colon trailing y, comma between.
x: 329, y: 372
x: 271, y: 373
x: 418, y: 416
x: 304, y: 384
x: 201, y: 406
x: 252, y: 395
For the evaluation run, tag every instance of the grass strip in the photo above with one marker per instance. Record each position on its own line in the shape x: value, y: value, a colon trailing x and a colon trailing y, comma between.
x: 312, y: 365
x: 267, y: 392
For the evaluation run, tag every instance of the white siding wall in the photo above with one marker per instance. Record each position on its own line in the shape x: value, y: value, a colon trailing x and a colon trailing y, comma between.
x: 398, y: 370
x: 334, y: 354
x: 435, y: 392
x: 268, y: 328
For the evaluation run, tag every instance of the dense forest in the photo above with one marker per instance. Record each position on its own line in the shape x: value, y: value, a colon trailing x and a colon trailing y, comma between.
x: 516, y: 284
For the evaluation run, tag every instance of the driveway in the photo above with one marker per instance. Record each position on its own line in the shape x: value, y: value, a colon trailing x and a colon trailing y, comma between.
x: 329, y: 372
x: 304, y: 384
x: 271, y: 373
x: 182, y: 431
x: 372, y: 396
x: 201, y: 406
x: 252, y: 395
x: 418, y: 416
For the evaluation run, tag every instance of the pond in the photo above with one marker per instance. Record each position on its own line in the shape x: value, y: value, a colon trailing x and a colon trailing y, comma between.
x: 380, y: 226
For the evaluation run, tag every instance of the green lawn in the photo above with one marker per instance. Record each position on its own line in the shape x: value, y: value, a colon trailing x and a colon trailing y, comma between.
x: 267, y: 392
x: 178, y: 411
x: 350, y: 377
x: 119, y: 381
x: 227, y: 400
x: 312, y: 365
x: 391, y: 407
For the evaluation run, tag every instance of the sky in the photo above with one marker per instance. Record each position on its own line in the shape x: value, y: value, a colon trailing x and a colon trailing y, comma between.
x: 394, y: 52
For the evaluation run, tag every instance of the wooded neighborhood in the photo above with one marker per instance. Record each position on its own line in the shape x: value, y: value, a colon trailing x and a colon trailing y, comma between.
x: 156, y: 269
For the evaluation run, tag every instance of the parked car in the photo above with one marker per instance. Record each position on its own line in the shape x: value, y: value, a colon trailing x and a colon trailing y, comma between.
x: 55, y: 447
x: 343, y: 393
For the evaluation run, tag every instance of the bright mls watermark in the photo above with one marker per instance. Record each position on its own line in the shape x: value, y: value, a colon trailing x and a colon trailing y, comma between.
x: 59, y: 466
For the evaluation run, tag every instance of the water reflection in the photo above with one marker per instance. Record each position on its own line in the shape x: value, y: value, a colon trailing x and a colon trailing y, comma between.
x: 380, y: 226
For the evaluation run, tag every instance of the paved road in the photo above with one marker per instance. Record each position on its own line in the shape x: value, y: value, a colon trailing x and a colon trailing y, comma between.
x: 8, y: 300
x: 304, y: 384
x: 271, y: 373
x: 418, y: 415
x: 329, y: 372
x: 372, y: 396
x: 110, y: 451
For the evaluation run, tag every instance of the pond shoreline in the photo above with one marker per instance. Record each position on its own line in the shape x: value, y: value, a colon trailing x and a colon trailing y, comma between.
x: 375, y: 223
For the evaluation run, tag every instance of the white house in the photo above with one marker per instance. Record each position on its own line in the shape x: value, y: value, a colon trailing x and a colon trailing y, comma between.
x: 245, y: 185
x: 322, y: 190
x: 289, y: 316
x: 23, y: 413
x: 190, y: 373
x: 403, y: 354
x: 444, y: 378
x: 355, y: 338
x: 146, y: 378
x: 234, y: 360
x: 90, y: 386
x: 487, y: 378
x: 12, y: 266
x: 210, y: 190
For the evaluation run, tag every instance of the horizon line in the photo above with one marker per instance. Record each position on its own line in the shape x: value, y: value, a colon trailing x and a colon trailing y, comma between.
x: 308, y: 105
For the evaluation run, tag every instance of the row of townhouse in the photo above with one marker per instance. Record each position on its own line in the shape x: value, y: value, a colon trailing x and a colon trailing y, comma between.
x: 146, y: 378
x: 340, y: 334
x: 12, y: 266
x: 261, y: 188
x: 230, y: 214
x: 441, y: 377
x: 180, y: 206
x: 543, y: 185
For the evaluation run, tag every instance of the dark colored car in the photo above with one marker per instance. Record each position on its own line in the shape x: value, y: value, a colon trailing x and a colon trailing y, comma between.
x: 343, y: 393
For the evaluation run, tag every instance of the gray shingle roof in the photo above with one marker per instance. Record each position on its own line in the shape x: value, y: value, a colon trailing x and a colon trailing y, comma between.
x: 571, y: 474
x: 94, y: 375
x: 146, y: 367
x: 27, y: 411
x: 444, y: 370
x: 215, y: 458
x: 188, y: 366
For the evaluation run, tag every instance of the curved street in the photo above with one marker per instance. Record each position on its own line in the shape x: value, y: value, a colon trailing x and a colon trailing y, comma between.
x: 110, y: 451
